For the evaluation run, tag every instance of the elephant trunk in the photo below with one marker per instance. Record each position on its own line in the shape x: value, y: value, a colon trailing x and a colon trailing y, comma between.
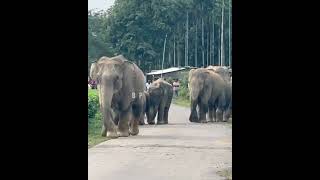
x: 105, y: 97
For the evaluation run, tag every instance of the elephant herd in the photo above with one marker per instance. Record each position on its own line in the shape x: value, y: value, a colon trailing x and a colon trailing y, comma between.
x: 124, y: 102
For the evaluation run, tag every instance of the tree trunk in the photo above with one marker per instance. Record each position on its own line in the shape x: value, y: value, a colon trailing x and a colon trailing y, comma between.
x: 187, y: 39
x: 169, y: 59
x: 196, y: 45
x: 213, y: 42
x: 222, y: 52
x: 178, y: 50
x: 174, y: 50
x: 202, y: 48
x: 164, y: 52
x: 208, y: 48
x: 229, y: 33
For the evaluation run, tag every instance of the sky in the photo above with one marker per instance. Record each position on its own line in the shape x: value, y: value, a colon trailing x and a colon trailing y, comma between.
x: 100, y: 4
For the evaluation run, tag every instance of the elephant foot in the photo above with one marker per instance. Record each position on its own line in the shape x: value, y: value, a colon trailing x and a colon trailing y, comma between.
x: 151, y: 122
x: 134, y: 132
x: 219, y: 120
x: 123, y: 133
x: 219, y: 116
x: 104, y: 132
x: 112, y: 134
x: 193, y: 119
x: 161, y: 122
x: 203, y: 121
x: 141, y: 123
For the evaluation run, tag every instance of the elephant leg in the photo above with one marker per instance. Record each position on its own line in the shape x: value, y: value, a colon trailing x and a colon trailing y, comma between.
x: 220, y: 108
x: 227, y: 115
x: 137, y: 114
x: 134, y: 126
x: 212, y: 113
x: 116, y: 119
x: 160, y: 119
x: 123, y: 126
x: 166, y: 112
x: 141, y: 120
x: 194, y: 114
x: 151, y: 113
x: 167, y: 107
x: 219, y: 114
x: 108, y: 127
x: 203, y: 110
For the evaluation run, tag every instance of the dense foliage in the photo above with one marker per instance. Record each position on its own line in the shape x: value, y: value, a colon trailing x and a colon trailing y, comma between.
x: 137, y: 29
x: 93, y: 103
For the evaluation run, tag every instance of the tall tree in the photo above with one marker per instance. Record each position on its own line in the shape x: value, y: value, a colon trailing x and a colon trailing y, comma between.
x: 137, y: 28
x: 229, y: 34
x: 202, y: 39
x: 196, y: 45
x: 187, y: 39
x: 174, y: 50
x: 222, y: 60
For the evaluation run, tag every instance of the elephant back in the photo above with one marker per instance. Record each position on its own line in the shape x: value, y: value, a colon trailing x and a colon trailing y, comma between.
x: 134, y: 79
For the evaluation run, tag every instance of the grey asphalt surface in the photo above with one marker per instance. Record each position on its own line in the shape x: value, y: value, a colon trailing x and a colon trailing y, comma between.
x: 180, y: 150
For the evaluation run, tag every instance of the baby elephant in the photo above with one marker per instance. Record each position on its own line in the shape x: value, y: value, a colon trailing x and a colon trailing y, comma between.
x: 159, y: 99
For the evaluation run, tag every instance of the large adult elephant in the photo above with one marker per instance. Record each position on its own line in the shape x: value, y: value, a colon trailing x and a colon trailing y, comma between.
x: 159, y: 99
x: 120, y: 86
x: 206, y: 92
x: 224, y: 72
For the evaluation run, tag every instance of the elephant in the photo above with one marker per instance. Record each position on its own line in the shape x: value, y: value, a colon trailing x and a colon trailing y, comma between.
x: 159, y: 99
x: 206, y: 92
x: 144, y: 101
x: 224, y: 72
x: 120, y: 87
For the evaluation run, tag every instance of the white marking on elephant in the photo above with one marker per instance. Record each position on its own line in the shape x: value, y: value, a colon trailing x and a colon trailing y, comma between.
x: 140, y: 94
x: 133, y: 95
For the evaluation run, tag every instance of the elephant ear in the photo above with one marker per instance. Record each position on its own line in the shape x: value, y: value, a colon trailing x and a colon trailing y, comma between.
x: 191, y: 72
x: 94, y: 71
x: 96, y: 67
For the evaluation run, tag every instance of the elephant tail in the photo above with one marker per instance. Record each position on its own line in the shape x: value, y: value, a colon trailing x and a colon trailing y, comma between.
x: 170, y: 95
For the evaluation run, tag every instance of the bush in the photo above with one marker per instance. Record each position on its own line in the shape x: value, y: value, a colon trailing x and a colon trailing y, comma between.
x: 93, y: 103
x: 184, y: 91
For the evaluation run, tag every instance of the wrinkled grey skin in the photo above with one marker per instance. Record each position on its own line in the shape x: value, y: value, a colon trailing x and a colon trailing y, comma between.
x: 224, y: 72
x: 206, y: 93
x: 159, y: 101
x: 119, y: 84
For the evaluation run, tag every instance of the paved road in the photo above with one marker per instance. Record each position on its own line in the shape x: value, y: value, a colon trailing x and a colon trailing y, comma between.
x: 178, y: 151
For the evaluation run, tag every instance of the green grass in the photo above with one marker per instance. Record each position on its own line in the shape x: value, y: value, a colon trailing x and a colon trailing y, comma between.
x: 92, y: 91
x: 181, y: 101
x: 94, y: 131
x: 226, y: 173
x: 95, y: 123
